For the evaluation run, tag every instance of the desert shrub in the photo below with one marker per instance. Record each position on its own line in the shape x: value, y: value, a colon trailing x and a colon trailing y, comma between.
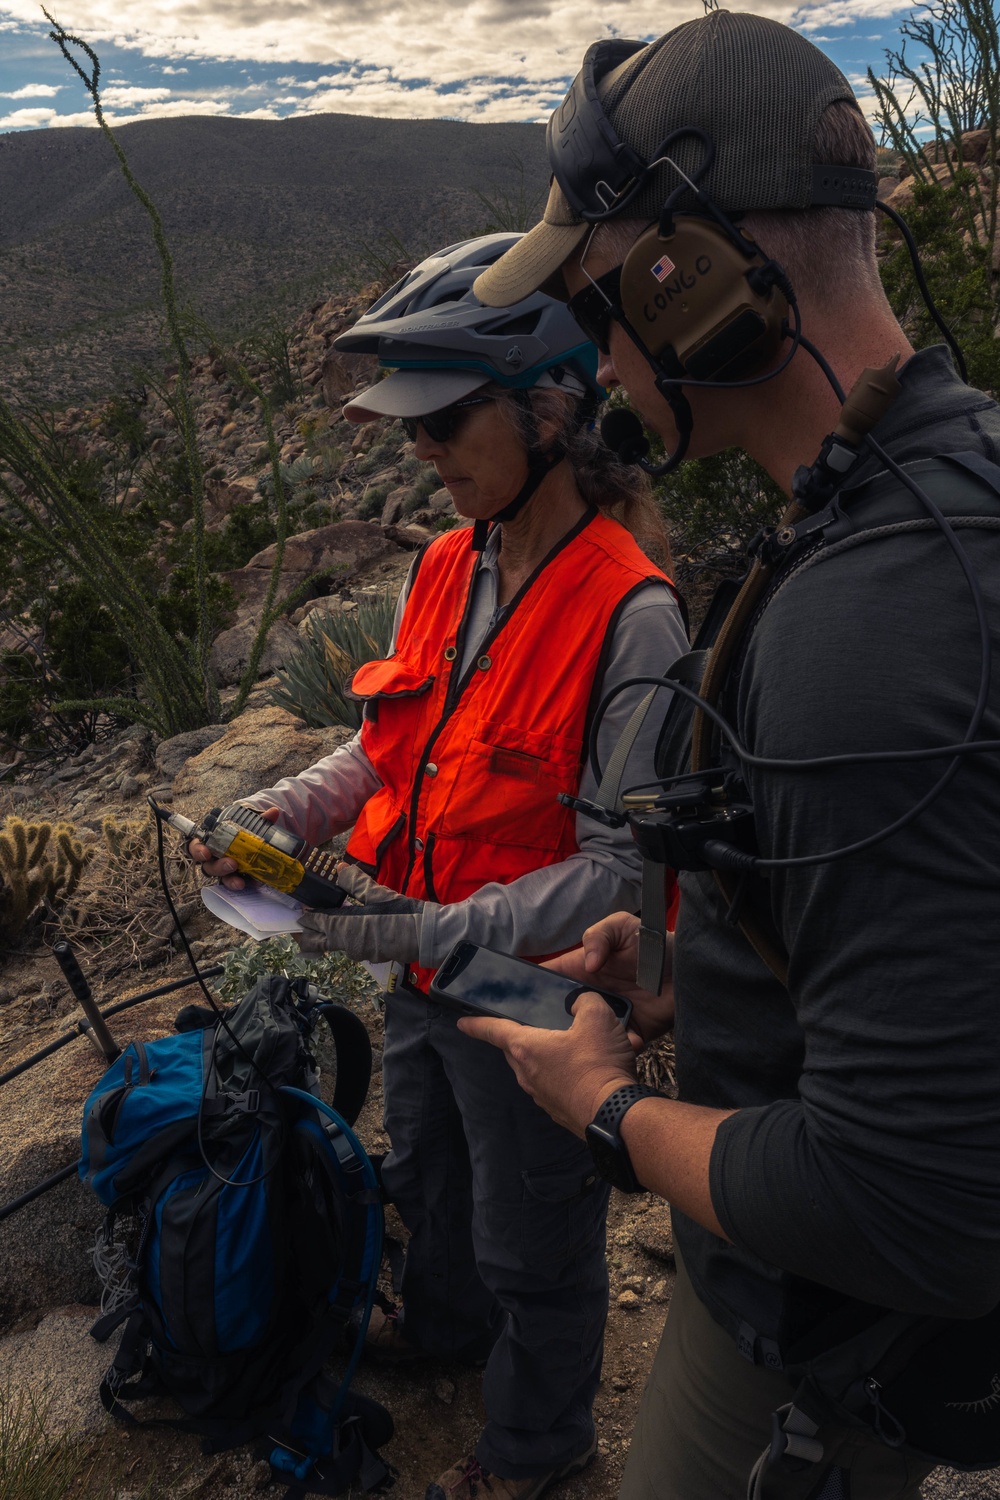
x: 270, y: 348
x: 369, y: 507
x: 247, y: 530
x: 927, y: 103
x: 332, y: 973
x: 714, y: 507
x: 41, y: 865
x: 334, y: 646
x: 959, y: 274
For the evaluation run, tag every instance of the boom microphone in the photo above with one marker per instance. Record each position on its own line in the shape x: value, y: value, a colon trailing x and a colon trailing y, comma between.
x: 623, y: 433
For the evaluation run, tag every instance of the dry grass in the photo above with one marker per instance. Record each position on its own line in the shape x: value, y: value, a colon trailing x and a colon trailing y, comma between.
x: 120, y: 911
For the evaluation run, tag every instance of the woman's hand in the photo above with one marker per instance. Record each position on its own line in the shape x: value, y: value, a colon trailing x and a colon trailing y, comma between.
x: 608, y: 957
x: 224, y: 869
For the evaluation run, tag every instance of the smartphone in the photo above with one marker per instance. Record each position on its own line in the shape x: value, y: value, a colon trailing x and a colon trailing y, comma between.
x: 479, y: 982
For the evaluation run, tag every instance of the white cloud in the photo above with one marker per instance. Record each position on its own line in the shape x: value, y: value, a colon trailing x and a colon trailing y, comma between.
x: 29, y: 119
x: 165, y: 109
x: 417, y: 39
x: 126, y: 96
x: 34, y: 91
x: 481, y: 60
x: 838, y: 13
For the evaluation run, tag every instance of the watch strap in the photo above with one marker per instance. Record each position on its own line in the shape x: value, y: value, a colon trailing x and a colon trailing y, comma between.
x: 608, y: 1120
x: 617, y: 1104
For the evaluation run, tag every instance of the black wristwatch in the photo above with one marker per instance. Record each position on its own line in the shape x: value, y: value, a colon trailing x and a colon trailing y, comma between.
x: 606, y: 1145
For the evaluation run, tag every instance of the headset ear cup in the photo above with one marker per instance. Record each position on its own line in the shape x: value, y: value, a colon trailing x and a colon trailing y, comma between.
x: 689, y: 299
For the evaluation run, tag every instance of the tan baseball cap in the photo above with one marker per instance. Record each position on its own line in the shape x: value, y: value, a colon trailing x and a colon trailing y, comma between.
x: 755, y: 86
x: 535, y: 258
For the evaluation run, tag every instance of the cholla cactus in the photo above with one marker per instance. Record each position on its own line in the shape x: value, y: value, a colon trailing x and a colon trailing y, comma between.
x: 127, y: 842
x: 40, y: 866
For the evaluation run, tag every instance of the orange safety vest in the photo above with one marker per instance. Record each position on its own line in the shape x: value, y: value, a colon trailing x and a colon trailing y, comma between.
x: 472, y: 766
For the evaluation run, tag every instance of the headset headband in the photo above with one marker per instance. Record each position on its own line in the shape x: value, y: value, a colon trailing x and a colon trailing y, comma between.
x: 600, y: 175
x: 592, y: 166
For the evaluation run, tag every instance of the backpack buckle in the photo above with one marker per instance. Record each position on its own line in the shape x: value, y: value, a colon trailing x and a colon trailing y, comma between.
x: 247, y: 1103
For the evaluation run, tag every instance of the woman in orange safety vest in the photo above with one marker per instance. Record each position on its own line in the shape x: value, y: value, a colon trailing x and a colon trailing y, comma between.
x: 508, y: 633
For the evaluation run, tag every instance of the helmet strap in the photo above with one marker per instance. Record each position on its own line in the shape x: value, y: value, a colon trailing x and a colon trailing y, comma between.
x: 539, y: 464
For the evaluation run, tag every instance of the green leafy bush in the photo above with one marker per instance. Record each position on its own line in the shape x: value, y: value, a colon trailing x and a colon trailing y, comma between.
x: 333, y: 974
x: 335, y: 645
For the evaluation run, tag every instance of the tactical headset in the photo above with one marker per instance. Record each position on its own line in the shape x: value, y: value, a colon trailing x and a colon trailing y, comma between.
x: 699, y: 298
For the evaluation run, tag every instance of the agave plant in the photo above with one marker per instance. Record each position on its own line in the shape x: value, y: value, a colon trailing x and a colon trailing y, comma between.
x: 334, y: 646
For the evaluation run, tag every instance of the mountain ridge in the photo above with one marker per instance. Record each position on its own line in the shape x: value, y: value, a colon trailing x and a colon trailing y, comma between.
x: 259, y: 215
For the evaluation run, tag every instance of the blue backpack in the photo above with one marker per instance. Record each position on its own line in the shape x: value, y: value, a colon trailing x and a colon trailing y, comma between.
x: 244, y: 1233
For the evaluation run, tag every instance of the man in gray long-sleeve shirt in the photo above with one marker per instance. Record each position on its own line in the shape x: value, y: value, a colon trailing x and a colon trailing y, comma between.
x: 835, y: 1149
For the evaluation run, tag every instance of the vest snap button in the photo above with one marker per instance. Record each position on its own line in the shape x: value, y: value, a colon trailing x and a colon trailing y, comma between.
x: 450, y: 653
x: 431, y: 769
x: 484, y: 663
x: 418, y: 843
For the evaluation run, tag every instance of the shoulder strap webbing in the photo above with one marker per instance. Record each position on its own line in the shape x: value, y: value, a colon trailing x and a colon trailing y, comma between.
x: 767, y: 945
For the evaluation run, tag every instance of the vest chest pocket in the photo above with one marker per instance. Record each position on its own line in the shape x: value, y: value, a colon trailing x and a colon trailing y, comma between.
x: 508, y: 785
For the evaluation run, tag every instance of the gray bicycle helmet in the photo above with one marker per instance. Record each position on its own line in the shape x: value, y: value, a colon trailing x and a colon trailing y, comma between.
x: 442, y: 343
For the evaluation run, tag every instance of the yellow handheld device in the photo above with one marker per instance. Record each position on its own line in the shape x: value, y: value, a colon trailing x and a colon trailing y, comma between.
x: 264, y: 852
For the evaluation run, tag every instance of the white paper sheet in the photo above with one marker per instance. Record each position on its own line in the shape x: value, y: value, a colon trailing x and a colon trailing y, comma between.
x: 257, y: 910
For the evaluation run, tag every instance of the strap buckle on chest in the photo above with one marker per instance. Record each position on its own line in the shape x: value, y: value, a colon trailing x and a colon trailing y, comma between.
x: 775, y: 545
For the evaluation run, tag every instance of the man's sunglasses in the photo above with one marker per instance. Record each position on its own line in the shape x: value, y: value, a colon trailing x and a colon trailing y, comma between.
x: 441, y: 425
x: 597, y: 306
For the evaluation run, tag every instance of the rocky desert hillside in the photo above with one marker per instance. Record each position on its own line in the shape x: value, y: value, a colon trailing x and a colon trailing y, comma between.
x: 257, y: 212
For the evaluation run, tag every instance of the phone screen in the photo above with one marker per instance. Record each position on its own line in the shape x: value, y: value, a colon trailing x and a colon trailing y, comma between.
x: 497, y: 984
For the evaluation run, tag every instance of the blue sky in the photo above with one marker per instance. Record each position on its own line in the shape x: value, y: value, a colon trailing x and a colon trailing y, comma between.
x: 484, y: 60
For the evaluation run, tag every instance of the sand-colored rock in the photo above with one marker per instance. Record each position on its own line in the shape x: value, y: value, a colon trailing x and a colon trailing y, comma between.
x: 45, y: 1248
x: 258, y: 749
x: 340, y: 374
x: 231, y: 650
x: 340, y: 549
x: 171, y: 754
x: 59, y: 1367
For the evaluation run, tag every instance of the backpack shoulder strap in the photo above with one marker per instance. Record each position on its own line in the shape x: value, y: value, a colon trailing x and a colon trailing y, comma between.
x: 354, y: 1059
x: 874, y: 503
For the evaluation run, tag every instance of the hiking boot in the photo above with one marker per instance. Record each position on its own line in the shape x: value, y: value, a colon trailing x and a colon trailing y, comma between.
x: 468, y: 1480
x: 385, y: 1338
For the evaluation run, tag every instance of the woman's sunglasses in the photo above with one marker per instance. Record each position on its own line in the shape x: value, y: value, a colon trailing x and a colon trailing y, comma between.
x: 441, y: 425
x: 597, y: 306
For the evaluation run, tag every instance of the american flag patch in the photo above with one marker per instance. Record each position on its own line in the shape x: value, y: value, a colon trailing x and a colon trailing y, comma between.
x: 663, y: 268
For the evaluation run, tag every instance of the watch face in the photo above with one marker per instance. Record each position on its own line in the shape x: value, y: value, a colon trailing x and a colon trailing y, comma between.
x: 608, y: 1157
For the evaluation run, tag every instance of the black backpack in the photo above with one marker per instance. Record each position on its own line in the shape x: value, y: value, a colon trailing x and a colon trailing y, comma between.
x: 244, y: 1232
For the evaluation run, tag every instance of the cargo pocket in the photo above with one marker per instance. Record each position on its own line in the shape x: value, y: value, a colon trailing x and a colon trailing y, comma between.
x: 561, y: 1211
x: 507, y: 791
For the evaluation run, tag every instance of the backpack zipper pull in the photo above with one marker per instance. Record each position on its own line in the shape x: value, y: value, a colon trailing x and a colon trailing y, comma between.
x: 889, y: 1429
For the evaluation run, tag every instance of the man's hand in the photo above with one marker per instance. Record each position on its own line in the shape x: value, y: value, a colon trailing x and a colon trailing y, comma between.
x: 608, y: 957
x: 568, y: 1073
x: 224, y: 870
x: 384, y: 927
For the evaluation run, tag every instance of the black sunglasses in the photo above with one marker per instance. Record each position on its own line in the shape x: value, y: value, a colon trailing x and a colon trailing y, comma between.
x: 441, y: 425
x: 597, y: 306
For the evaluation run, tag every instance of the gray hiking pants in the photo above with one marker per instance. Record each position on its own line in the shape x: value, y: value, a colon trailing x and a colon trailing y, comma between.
x: 705, y: 1416
x: 506, y: 1218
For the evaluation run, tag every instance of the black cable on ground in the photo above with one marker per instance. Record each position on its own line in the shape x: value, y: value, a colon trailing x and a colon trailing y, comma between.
x: 38, y: 1190
x: 80, y: 1028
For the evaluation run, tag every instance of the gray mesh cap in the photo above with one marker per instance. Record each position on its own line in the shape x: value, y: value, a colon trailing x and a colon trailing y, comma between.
x: 756, y: 87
